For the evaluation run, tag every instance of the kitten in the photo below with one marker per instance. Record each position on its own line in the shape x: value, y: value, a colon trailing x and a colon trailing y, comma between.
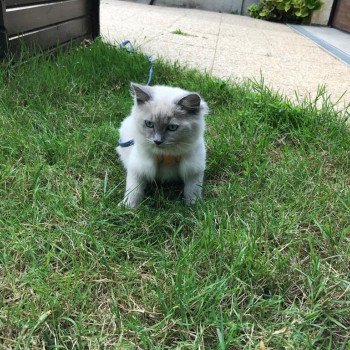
x: 163, y: 139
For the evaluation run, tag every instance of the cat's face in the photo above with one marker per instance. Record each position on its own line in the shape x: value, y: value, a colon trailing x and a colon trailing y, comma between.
x: 167, y: 118
x: 164, y: 130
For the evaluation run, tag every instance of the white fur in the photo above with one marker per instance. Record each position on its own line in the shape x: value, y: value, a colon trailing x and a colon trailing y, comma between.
x: 140, y: 160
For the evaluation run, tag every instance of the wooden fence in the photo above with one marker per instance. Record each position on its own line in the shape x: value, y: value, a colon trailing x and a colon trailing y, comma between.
x: 45, y: 24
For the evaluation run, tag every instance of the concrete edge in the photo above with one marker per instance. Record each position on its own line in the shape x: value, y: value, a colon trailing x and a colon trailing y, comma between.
x: 337, y: 53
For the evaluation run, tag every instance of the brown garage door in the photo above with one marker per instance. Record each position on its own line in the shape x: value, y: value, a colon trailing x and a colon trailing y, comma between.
x: 341, y: 17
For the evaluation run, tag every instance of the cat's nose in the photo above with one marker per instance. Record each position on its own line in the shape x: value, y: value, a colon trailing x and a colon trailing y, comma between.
x: 157, y: 142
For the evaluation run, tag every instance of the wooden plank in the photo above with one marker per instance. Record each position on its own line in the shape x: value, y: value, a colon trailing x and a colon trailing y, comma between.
x: 69, y: 44
x: 52, y: 36
x: 17, y: 3
x: 32, y: 18
x: 341, y: 17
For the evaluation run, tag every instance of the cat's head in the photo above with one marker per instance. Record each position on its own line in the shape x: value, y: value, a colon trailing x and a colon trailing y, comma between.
x: 168, y: 117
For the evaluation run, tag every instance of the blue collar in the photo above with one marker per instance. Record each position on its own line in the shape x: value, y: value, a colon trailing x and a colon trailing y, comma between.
x: 126, y: 144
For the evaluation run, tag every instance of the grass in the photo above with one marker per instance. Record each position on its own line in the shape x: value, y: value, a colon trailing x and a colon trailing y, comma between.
x: 180, y: 32
x: 261, y: 263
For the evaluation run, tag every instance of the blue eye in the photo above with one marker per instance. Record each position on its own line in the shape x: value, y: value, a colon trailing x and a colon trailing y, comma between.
x: 172, y: 127
x: 149, y: 124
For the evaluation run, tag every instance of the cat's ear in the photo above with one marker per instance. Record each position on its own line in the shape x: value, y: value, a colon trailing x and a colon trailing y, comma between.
x: 190, y: 103
x: 142, y: 93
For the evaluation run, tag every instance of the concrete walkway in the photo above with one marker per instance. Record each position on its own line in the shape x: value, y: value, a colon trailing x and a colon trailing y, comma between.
x: 228, y: 46
x: 334, y: 41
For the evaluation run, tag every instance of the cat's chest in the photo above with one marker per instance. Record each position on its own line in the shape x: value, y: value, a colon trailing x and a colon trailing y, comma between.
x: 167, y: 167
x: 167, y: 160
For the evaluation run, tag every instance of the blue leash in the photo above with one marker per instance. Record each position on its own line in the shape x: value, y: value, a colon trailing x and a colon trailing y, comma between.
x: 126, y: 144
x: 126, y: 45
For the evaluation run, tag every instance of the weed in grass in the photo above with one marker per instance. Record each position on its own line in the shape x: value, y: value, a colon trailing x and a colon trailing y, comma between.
x: 264, y: 259
x: 180, y: 32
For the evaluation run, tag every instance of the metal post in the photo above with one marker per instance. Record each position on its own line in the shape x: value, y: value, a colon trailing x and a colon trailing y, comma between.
x: 3, y: 31
x: 95, y: 18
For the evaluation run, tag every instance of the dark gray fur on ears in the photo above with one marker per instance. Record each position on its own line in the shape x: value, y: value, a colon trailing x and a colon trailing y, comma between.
x: 141, y: 92
x: 190, y: 103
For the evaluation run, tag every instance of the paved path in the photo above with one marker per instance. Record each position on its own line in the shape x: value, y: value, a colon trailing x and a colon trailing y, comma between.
x: 228, y: 46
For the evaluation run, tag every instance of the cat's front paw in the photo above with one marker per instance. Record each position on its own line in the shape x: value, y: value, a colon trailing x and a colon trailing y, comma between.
x: 193, y: 191
x: 191, y: 200
x: 129, y: 202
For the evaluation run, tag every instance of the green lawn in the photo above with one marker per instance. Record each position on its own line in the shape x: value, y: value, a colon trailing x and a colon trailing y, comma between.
x: 262, y: 262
